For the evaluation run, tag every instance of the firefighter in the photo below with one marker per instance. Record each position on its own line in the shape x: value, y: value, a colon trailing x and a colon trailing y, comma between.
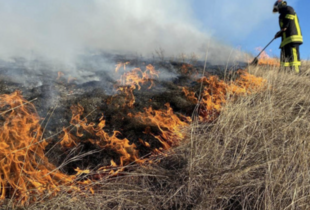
x: 291, y: 35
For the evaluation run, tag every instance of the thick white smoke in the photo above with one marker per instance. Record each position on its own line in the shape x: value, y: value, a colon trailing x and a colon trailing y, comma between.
x: 63, y: 29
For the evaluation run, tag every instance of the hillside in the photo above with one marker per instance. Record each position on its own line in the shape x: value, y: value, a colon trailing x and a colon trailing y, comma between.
x: 253, y: 155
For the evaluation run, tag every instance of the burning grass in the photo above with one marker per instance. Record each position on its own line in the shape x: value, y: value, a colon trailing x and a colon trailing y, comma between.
x: 266, y: 60
x: 253, y: 155
x: 24, y: 168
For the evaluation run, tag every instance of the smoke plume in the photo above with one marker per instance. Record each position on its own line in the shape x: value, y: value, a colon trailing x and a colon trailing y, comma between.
x: 64, y: 29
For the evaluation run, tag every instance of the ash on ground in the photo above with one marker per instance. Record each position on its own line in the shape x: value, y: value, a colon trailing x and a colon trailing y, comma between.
x: 93, y: 83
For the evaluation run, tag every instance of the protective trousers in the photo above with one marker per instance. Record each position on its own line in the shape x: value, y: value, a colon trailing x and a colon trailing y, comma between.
x: 290, y: 56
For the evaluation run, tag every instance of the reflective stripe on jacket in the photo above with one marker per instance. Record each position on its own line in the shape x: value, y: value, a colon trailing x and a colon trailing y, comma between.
x: 288, y: 19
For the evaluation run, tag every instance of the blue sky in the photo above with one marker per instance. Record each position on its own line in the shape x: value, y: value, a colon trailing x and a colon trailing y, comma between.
x: 249, y: 24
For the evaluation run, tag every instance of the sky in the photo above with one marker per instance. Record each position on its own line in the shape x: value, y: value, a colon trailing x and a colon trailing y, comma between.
x: 250, y: 24
x: 63, y: 29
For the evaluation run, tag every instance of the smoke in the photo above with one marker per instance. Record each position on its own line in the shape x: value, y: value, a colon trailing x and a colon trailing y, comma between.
x: 64, y: 29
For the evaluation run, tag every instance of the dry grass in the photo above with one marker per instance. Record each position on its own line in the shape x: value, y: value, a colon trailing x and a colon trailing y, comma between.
x: 255, y: 156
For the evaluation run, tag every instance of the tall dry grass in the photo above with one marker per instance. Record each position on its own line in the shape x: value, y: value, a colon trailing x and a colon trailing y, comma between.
x: 256, y: 155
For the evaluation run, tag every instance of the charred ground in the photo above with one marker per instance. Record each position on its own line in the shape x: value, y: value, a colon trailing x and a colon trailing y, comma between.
x: 54, y: 91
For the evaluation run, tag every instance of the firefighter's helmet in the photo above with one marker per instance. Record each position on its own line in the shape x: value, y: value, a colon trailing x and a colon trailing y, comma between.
x: 278, y: 5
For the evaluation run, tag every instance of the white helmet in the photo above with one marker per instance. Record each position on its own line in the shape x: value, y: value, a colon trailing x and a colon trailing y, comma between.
x: 278, y: 5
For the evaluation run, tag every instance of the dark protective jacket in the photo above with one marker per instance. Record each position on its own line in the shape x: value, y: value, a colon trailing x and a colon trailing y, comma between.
x: 288, y: 19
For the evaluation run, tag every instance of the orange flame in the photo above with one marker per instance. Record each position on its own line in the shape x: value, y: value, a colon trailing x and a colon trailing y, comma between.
x: 60, y: 74
x: 129, y: 96
x: 120, y: 65
x: 127, y: 151
x: 169, y: 124
x: 136, y: 77
x: 216, y: 92
x: 189, y: 69
x: 190, y: 95
x: 24, y: 169
x: 265, y: 59
x: 133, y: 80
x: 80, y: 172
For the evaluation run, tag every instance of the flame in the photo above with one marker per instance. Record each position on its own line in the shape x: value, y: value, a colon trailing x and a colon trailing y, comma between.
x: 169, y: 124
x: 24, y: 169
x: 126, y: 151
x: 144, y: 143
x: 190, y: 95
x: 136, y: 77
x: 129, y: 96
x: 68, y: 140
x: 132, y: 80
x: 120, y: 65
x: 247, y: 83
x: 80, y: 172
x: 265, y: 59
x: 189, y: 70
x: 216, y: 92
x: 60, y: 74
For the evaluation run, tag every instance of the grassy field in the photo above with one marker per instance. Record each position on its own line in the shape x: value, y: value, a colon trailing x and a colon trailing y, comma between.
x: 256, y: 155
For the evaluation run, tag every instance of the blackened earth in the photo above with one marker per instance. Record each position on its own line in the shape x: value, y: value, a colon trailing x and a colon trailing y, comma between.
x: 92, y: 84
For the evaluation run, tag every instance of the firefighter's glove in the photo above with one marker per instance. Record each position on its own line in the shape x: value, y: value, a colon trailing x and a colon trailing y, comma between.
x: 278, y: 34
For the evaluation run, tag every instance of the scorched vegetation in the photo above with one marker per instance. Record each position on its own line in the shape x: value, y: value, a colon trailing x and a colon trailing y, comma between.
x: 234, y: 141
